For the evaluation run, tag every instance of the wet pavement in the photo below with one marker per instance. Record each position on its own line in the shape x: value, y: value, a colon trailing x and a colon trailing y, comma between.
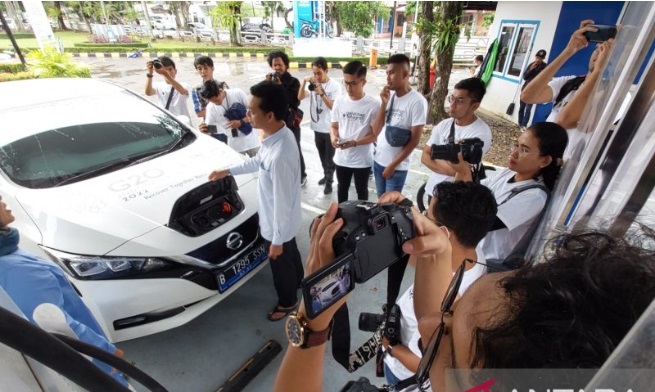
x: 201, y: 355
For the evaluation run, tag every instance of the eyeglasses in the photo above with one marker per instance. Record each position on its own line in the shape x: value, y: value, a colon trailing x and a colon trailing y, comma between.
x: 458, y: 100
x: 353, y: 83
x: 423, y: 372
x: 523, y: 150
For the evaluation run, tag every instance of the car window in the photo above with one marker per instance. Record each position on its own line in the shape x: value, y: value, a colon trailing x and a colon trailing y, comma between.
x: 131, y: 129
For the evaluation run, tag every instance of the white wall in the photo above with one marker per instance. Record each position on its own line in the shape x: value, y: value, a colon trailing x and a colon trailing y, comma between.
x: 500, y: 92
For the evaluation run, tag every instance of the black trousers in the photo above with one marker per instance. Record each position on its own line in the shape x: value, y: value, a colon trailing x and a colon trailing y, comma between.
x: 287, y: 273
x: 296, y: 133
x: 345, y: 175
x: 326, y: 153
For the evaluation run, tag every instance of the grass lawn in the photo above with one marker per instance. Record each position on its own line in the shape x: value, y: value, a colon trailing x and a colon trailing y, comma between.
x: 69, y: 39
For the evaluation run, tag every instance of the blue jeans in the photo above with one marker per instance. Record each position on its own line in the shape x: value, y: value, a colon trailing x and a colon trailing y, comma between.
x: 391, y: 378
x: 395, y: 183
x: 525, y: 109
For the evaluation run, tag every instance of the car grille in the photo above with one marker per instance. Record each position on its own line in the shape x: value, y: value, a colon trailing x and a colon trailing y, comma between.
x: 231, y: 244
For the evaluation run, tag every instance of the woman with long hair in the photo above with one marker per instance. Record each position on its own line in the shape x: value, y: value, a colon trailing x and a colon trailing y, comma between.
x: 536, y: 159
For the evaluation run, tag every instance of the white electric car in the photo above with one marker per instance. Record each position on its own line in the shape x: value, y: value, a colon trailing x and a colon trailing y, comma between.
x: 114, y: 190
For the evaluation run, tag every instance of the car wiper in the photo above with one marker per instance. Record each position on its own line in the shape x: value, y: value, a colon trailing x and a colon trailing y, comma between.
x: 92, y: 173
x: 164, y: 151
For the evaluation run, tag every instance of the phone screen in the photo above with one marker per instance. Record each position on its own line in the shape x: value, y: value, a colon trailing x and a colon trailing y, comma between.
x: 327, y: 285
x: 212, y: 129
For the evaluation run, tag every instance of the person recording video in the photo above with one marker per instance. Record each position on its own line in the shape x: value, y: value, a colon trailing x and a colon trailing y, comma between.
x: 504, y: 320
x: 468, y: 211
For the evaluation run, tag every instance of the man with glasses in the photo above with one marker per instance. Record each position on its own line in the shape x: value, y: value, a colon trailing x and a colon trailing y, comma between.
x: 322, y: 92
x: 466, y: 211
x: 463, y: 124
x: 351, y: 134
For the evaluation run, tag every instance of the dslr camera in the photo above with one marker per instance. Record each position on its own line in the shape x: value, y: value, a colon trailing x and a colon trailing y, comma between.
x: 370, y: 240
x: 471, y: 150
x: 311, y: 87
x: 388, y: 321
x: 275, y: 78
x: 157, y: 63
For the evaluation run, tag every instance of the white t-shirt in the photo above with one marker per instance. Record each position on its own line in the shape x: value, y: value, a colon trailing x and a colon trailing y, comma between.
x: 517, y: 213
x: 409, y: 334
x: 408, y: 111
x: 440, y: 133
x: 319, y: 113
x: 576, y: 137
x: 215, y: 115
x: 178, y: 104
x: 354, y: 119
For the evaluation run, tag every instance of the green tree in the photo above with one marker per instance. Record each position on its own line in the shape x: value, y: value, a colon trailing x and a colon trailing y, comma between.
x: 272, y: 9
x: 49, y: 63
x: 488, y: 19
x: 448, y: 24
x: 426, y: 29
x: 357, y: 16
x: 228, y: 14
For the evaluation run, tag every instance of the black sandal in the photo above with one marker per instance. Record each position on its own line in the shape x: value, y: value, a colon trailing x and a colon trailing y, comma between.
x: 278, y: 309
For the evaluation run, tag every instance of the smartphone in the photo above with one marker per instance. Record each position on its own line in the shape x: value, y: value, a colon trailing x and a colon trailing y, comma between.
x: 341, y: 142
x: 604, y: 33
x: 326, y: 286
x: 212, y: 129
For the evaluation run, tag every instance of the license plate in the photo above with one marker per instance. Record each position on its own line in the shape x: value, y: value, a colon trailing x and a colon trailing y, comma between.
x: 240, y: 268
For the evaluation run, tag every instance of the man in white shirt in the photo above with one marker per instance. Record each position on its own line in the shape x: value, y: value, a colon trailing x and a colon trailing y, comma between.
x: 172, y: 95
x: 278, y: 189
x: 464, y: 101
x: 351, y: 132
x: 398, y: 126
x: 322, y: 92
x: 240, y: 135
x: 563, y: 90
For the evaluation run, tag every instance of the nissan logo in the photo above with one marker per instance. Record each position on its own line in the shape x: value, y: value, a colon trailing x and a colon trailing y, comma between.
x: 234, y: 241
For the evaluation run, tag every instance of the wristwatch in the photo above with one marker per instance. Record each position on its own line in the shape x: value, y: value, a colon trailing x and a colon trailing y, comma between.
x: 299, y: 334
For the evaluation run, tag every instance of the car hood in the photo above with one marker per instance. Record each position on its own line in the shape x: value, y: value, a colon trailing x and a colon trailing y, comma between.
x: 96, y: 215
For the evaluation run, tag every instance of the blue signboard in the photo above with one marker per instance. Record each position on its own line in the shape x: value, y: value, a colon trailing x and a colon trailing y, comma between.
x: 303, y: 11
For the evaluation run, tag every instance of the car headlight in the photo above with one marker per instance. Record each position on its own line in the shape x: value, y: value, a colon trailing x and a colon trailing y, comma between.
x: 109, y: 267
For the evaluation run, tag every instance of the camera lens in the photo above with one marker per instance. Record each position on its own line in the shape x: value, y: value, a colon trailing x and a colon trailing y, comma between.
x: 156, y: 63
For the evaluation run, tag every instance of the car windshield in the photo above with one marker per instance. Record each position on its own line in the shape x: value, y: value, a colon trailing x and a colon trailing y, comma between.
x: 65, y: 141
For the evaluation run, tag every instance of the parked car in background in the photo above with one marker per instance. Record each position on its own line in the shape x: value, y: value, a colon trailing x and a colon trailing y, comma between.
x: 256, y: 28
x: 114, y: 190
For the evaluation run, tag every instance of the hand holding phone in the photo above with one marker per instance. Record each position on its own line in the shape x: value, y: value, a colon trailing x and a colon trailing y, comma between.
x: 341, y: 142
x: 603, y: 33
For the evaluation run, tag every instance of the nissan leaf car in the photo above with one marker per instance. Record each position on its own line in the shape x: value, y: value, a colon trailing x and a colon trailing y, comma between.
x: 114, y: 190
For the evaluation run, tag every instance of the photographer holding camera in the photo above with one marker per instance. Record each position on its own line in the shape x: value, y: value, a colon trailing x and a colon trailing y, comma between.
x: 172, y: 94
x: 468, y: 211
x: 570, y: 94
x: 463, y: 124
x: 279, y: 63
x: 582, y: 295
x: 322, y: 92
x: 536, y: 159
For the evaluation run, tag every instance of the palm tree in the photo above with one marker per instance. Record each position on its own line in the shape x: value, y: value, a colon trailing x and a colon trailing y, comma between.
x: 227, y: 14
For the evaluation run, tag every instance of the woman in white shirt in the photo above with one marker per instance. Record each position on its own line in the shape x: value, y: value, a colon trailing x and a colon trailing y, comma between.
x: 536, y: 158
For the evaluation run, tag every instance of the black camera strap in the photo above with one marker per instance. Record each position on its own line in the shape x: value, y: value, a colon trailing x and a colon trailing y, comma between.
x: 390, y: 109
x: 170, y: 98
x: 451, y: 136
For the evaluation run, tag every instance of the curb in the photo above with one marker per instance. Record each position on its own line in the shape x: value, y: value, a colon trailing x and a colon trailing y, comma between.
x: 191, y: 55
